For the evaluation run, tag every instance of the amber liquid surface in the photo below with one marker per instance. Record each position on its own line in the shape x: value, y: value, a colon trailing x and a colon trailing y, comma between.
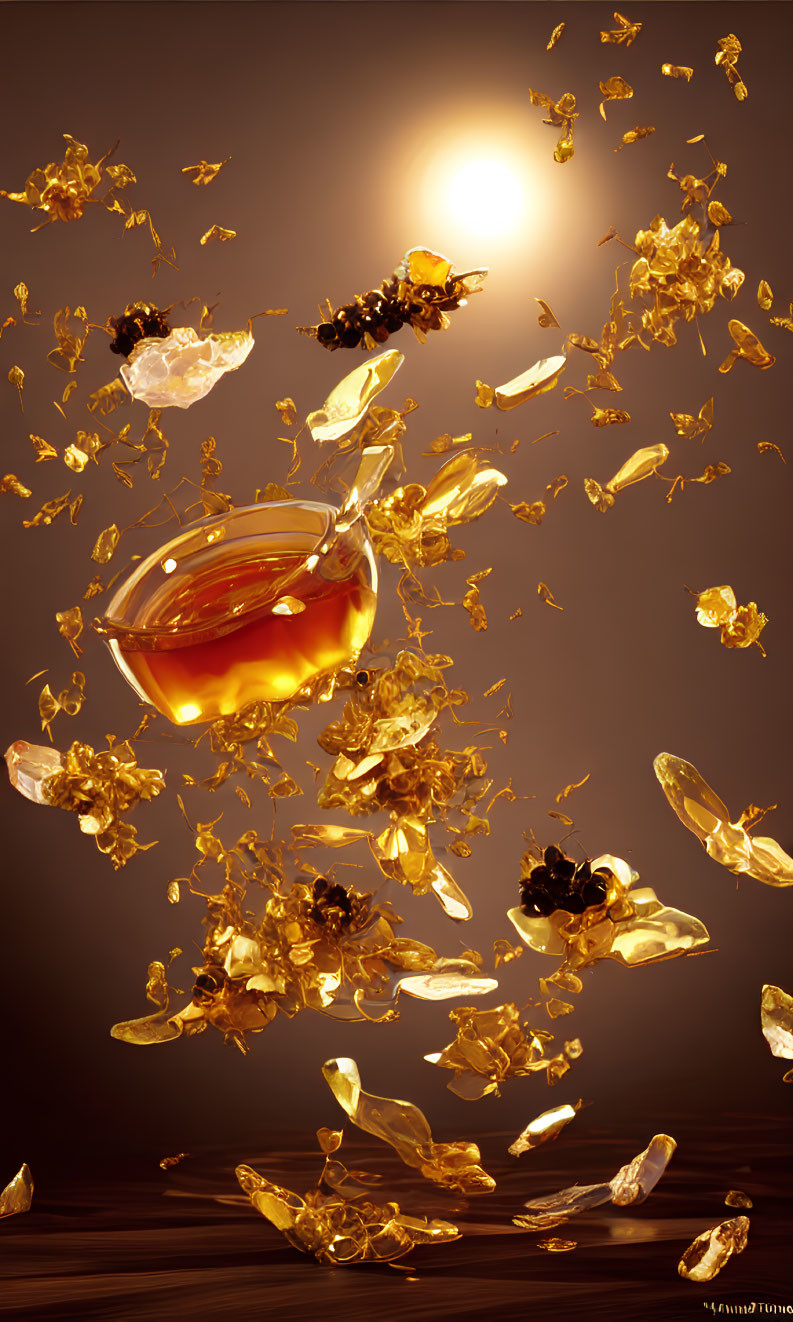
x: 269, y: 657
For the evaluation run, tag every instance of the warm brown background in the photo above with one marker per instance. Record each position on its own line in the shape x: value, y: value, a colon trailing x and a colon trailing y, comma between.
x: 338, y: 119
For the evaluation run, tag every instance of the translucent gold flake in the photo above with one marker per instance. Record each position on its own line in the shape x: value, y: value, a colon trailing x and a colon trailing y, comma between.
x: 631, y: 1185
x: 44, y: 450
x: 608, y: 417
x: 536, y: 380
x: 173, y: 893
x: 747, y: 346
x: 102, y: 788
x: 690, y: 427
x: 181, y: 368
x: 288, y: 411
x: 637, y: 134
x: 18, y: 1193
x: 344, y: 1226
x: 737, y: 1198
x: 543, y: 1129
x: 69, y: 700
x: 568, y: 789
x: 485, y: 395
x: 70, y: 626
x: 561, y: 114
x: 555, y: 35
x: 348, y: 402
x: 765, y: 296
x: 30, y: 766
x: 677, y: 71
x: 492, y: 1046
x: 71, y: 332
x: 557, y: 1245
x: 625, y: 33
x: 472, y: 604
x: 217, y: 234
x: 405, y: 1128
x: 557, y: 485
x: 108, y: 398
x: 204, y: 173
x: 740, y: 626
x: 614, y: 89
x: 168, y: 1163
x: 84, y: 448
x: 547, y: 318
x: 776, y: 1021
x: 106, y: 544
x: 729, y: 843
x: 712, y: 1249
x: 546, y: 596
x: 642, y: 464
x: 727, y: 58
x: 504, y: 952
x: 768, y: 447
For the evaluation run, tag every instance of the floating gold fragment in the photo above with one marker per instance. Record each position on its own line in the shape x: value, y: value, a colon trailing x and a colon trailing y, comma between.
x: 747, y: 346
x: 710, y: 1251
x: 729, y: 843
x: 16, y: 377
x: 765, y: 296
x: 485, y: 395
x: 288, y: 411
x: 204, y: 173
x: 737, y: 1198
x: 545, y: 595
x: 11, y: 485
x: 543, y: 1129
x: 70, y: 626
x: 642, y: 464
x: 44, y: 450
x: 614, y: 89
x: 776, y: 1021
x: 18, y: 1193
x: 557, y: 1245
x: 168, y: 1163
x: 537, y: 380
x: 768, y: 447
x: 62, y: 190
x: 631, y: 1185
x: 561, y: 114
x: 105, y: 545
x: 681, y: 274
x: 345, y: 1227
x: 625, y: 33
x: 690, y: 427
x: 635, y: 135
x: 555, y: 35
x: 492, y: 1046
x: 608, y: 417
x: 740, y: 626
x: 568, y: 789
x: 718, y: 214
x: 727, y: 58
x: 677, y: 71
x: 349, y: 401
x: 71, y: 332
x: 546, y: 318
x: 533, y: 513
x: 405, y: 1127
x: 217, y: 234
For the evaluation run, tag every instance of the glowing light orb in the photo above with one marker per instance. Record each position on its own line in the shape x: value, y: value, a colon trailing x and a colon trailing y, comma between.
x: 487, y: 198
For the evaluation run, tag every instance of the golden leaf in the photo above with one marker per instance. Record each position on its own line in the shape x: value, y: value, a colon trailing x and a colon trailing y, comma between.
x: 529, y: 513
x: 568, y: 789
x: 217, y: 234
x: 614, y: 89
x: 635, y: 135
x: 555, y: 35
x: 624, y: 34
x: 204, y: 173
x: 105, y: 545
x: 545, y: 594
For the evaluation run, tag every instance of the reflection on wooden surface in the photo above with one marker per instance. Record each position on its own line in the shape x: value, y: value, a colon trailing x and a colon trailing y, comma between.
x: 184, y: 1243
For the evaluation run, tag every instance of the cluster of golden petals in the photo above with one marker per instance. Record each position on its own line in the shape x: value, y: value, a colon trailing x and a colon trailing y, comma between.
x: 494, y: 1045
x: 341, y: 1228
x: 387, y: 755
x: 741, y: 626
x: 680, y: 275
x: 102, y: 787
x: 727, y: 58
x: 561, y: 114
x: 62, y: 189
x: 317, y: 946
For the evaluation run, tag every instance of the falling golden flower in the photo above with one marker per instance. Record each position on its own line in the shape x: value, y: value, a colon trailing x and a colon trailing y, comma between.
x: 405, y: 1127
x: 729, y: 843
x: 492, y: 1046
x: 62, y: 190
x: 680, y: 276
x: 740, y: 626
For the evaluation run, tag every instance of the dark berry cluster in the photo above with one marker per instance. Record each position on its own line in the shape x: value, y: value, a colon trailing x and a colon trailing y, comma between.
x: 332, y: 905
x: 383, y: 311
x: 140, y: 320
x: 558, y: 884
